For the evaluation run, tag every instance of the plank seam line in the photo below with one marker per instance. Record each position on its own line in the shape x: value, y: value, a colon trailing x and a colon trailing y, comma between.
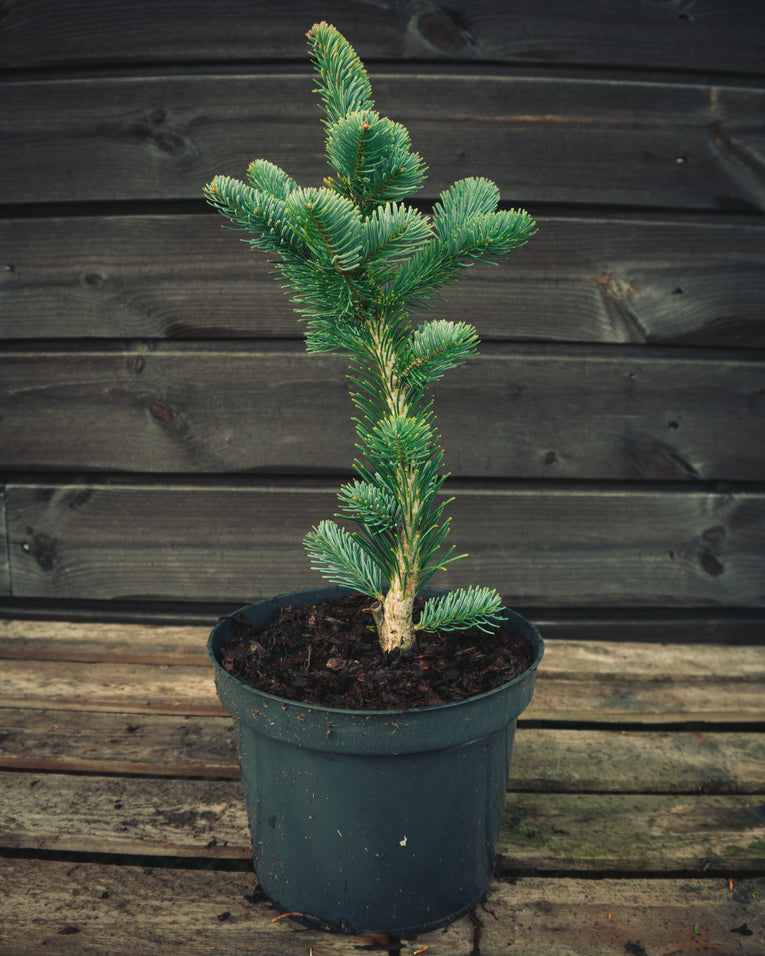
x: 7, y: 539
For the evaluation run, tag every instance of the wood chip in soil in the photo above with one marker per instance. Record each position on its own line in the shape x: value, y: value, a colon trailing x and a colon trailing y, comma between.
x: 327, y: 654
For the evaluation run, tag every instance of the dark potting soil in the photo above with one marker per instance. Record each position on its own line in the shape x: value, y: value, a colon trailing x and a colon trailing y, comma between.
x: 328, y: 654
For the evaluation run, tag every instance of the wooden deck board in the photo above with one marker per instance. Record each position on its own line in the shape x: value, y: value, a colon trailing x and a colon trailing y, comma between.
x: 73, y: 32
x: 73, y: 907
x: 171, y: 817
x: 93, y: 642
x: 115, y: 753
x: 144, y: 688
x: 546, y: 759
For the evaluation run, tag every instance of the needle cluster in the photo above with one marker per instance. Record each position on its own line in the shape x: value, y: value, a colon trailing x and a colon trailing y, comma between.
x: 358, y: 260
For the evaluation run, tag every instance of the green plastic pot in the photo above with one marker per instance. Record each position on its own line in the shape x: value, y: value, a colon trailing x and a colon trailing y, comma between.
x: 373, y: 821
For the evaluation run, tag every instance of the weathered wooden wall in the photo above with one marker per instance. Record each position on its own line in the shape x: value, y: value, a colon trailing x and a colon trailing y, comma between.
x: 165, y: 438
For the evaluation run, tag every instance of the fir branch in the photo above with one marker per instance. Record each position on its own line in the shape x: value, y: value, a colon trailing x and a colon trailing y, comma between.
x: 259, y: 213
x: 399, y: 440
x: 330, y: 226
x: 343, y: 82
x: 373, y: 159
x: 393, y: 232
x: 460, y: 609
x: 371, y: 506
x: 268, y: 178
x: 436, y: 347
x: 339, y: 557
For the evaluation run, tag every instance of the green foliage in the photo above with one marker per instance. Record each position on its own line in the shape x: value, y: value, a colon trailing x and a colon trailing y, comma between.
x: 358, y: 260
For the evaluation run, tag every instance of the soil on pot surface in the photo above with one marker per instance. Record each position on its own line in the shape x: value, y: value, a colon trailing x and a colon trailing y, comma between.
x: 328, y: 654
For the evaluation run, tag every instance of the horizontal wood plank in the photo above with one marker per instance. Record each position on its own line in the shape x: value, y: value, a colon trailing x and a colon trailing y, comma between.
x: 576, y: 547
x: 631, y: 833
x: 5, y: 577
x: 59, y: 907
x: 161, y: 689
x: 88, y: 642
x: 601, y: 833
x: 623, y: 280
x: 719, y: 626
x: 72, y: 32
x: 544, y: 759
x: 167, y: 818
x: 542, y: 139
x: 544, y: 413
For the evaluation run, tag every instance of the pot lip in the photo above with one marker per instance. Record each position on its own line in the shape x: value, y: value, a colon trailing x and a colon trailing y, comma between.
x: 285, y: 703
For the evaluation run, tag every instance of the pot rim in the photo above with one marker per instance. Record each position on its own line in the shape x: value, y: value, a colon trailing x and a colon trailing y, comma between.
x: 530, y: 634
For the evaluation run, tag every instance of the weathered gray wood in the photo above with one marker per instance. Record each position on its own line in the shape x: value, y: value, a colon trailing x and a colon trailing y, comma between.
x: 541, y: 138
x: 44, y: 640
x: 548, y: 547
x: 600, y: 833
x: 127, y: 688
x: 627, y: 702
x: 167, y: 818
x: 601, y: 761
x: 148, y: 688
x: 544, y: 759
x: 546, y: 413
x: 104, y: 642
x: 614, y: 280
x: 5, y: 578
x: 632, y: 833
x: 94, y: 908
x: 726, y: 37
x: 719, y: 626
x: 74, y: 741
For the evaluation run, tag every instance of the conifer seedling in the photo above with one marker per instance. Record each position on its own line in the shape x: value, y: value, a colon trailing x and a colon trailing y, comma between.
x: 358, y: 261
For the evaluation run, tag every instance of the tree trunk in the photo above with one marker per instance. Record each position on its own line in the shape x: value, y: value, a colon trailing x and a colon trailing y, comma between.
x: 393, y: 619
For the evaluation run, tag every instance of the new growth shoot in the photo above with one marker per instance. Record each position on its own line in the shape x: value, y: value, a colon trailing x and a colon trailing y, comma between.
x: 358, y: 260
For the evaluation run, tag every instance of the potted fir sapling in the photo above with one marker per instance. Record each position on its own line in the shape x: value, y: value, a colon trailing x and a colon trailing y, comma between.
x: 361, y: 815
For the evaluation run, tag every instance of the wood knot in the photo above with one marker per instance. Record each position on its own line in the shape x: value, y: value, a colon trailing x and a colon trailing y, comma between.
x: 161, y: 412
x: 711, y: 563
x: 442, y: 30
x: 43, y: 550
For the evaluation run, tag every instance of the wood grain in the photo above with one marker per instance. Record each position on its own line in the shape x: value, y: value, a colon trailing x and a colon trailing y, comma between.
x: 724, y: 38
x: 90, y: 908
x: 631, y: 833
x: 542, y: 139
x: 640, y: 280
x: 621, y: 833
x: 545, y: 759
x: 143, y: 689
x: 544, y: 412
x: 577, y: 547
x: 592, y: 682
x: 5, y: 576
x: 177, y: 645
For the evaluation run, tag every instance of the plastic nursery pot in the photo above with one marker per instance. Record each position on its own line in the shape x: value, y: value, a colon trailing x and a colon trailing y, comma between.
x: 373, y: 821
